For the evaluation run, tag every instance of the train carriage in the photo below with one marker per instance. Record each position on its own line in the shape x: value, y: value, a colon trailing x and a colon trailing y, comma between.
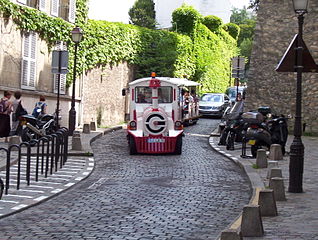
x: 159, y: 107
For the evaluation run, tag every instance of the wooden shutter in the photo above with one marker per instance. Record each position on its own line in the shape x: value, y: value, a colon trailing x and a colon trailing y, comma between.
x: 55, y: 5
x: 42, y: 5
x: 61, y: 46
x: 28, y: 71
x: 72, y: 11
x: 22, y: 1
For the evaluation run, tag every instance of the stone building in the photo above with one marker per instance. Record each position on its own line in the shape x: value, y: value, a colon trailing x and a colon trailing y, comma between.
x: 275, y: 29
x: 25, y: 65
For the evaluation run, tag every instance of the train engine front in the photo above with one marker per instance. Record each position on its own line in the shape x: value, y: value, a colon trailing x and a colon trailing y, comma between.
x: 154, y: 125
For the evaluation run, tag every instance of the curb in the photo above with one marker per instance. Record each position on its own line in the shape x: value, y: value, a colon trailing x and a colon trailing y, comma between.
x: 256, y: 182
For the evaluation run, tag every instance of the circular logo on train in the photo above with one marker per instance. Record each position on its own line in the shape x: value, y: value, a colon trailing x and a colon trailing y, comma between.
x: 155, y: 123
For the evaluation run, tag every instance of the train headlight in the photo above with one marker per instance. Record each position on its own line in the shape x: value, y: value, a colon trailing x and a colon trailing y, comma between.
x: 132, y: 125
x: 178, y: 125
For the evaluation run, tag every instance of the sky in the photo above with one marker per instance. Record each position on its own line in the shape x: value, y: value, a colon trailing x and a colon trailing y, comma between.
x: 117, y: 10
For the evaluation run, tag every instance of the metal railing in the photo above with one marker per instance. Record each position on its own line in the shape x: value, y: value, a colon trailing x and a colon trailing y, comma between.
x: 47, y: 154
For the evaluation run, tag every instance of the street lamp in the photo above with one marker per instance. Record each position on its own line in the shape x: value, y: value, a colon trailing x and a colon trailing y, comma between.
x: 77, y: 35
x: 296, y: 164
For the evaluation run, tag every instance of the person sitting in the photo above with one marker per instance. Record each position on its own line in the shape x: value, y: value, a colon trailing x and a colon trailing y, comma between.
x: 141, y: 98
x: 40, y: 107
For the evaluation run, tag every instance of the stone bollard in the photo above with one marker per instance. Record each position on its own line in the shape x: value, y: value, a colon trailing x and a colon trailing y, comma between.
x: 14, y: 140
x: 231, y: 234
x: 86, y: 128
x: 275, y: 172
x: 92, y: 126
x: 277, y: 184
x: 267, y: 203
x: 77, y: 141
x: 261, y: 158
x: 275, y: 152
x: 252, y: 225
x: 271, y: 164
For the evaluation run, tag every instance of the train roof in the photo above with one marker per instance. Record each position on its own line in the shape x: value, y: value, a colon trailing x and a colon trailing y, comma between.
x: 175, y: 81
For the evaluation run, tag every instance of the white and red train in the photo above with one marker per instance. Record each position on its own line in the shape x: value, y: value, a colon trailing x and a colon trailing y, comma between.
x: 159, y: 107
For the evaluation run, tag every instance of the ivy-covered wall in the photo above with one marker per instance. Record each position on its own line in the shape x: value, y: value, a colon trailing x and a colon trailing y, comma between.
x: 202, y: 55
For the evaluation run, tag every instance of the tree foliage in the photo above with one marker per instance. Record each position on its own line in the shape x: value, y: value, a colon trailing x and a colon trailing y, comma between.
x: 185, y: 18
x: 232, y: 29
x: 143, y: 14
x: 213, y: 23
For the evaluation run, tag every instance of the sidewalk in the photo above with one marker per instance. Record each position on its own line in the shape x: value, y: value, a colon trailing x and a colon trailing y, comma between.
x: 79, y: 166
x: 297, y: 217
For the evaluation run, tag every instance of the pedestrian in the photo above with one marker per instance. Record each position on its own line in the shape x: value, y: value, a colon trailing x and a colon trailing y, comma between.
x: 18, y: 111
x: 40, y: 107
x: 5, y: 111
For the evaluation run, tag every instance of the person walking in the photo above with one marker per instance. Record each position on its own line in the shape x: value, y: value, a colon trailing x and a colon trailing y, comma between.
x: 18, y: 111
x: 5, y: 111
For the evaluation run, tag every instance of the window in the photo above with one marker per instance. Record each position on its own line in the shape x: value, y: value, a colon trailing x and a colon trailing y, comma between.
x: 59, y: 46
x: 72, y: 11
x: 55, y: 4
x: 144, y: 95
x: 42, y: 5
x: 28, y: 71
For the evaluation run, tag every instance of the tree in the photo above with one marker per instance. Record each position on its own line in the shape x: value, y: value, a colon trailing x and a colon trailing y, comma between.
x: 239, y: 16
x: 254, y: 4
x: 143, y: 14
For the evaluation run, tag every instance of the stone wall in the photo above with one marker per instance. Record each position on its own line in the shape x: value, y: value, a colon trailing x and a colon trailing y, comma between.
x: 102, y: 94
x: 276, y: 27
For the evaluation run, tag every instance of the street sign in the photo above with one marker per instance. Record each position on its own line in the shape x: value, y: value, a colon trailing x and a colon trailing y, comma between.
x: 59, y: 62
x: 288, y: 61
x: 238, y: 63
x: 237, y: 73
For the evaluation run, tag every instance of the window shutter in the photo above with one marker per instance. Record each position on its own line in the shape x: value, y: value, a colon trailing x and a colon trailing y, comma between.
x: 72, y: 11
x: 60, y: 46
x: 28, y: 71
x: 22, y: 1
x: 55, y: 7
x: 42, y: 5
x: 62, y: 83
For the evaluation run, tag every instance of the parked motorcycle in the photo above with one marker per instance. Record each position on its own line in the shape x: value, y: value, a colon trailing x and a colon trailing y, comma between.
x: 34, y: 128
x: 262, y: 133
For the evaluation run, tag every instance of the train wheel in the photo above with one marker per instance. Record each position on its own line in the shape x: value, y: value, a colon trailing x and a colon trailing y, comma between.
x: 132, y: 146
x: 178, y: 149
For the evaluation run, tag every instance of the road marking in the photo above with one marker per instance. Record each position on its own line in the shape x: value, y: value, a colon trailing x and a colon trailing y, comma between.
x: 57, y: 190
x: 79, y: 178
x: 98, y: 183
x: 40, y: 198
x: 61, y: 171
x: 19, y: 206
x: 8, y: 201
x: 69, y: 184
x: 85, y: 173
x: 18, y: 196
x: 91, y: 164
x: 40, y: 186
x: 89, y: 169
x: 27, y: 190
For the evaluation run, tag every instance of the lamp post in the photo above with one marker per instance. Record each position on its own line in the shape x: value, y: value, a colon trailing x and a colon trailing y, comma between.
x: 296, y: 164
x: 77, y: 35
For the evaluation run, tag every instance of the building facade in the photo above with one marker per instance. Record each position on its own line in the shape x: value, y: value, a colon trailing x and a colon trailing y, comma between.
x: 275, y: 29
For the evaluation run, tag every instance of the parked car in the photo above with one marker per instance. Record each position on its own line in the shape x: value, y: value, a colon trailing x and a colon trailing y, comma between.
x: 231, y: 92
x: 213, y: 104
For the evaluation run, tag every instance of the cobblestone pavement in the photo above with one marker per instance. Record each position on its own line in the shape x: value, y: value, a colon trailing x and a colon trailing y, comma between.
x: 192, y: 196
x: 297, y: 217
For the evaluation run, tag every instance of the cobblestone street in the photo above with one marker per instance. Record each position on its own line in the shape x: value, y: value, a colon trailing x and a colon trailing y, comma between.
x: 191, y: 196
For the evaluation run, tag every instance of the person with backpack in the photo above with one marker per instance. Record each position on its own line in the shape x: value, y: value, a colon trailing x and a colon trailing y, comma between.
x: 5, y: 111
x: 40, y: 107
x: 18, y: 111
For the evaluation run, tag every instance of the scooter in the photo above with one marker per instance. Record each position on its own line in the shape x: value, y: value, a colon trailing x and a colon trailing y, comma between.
x: 34, y: 128
x: 261, y: 134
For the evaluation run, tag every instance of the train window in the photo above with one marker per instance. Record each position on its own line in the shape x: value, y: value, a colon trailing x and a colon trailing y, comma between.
x: 144, y: 94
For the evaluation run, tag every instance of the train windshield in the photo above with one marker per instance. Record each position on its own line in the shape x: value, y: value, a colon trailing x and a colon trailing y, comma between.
x: 144, y: 94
